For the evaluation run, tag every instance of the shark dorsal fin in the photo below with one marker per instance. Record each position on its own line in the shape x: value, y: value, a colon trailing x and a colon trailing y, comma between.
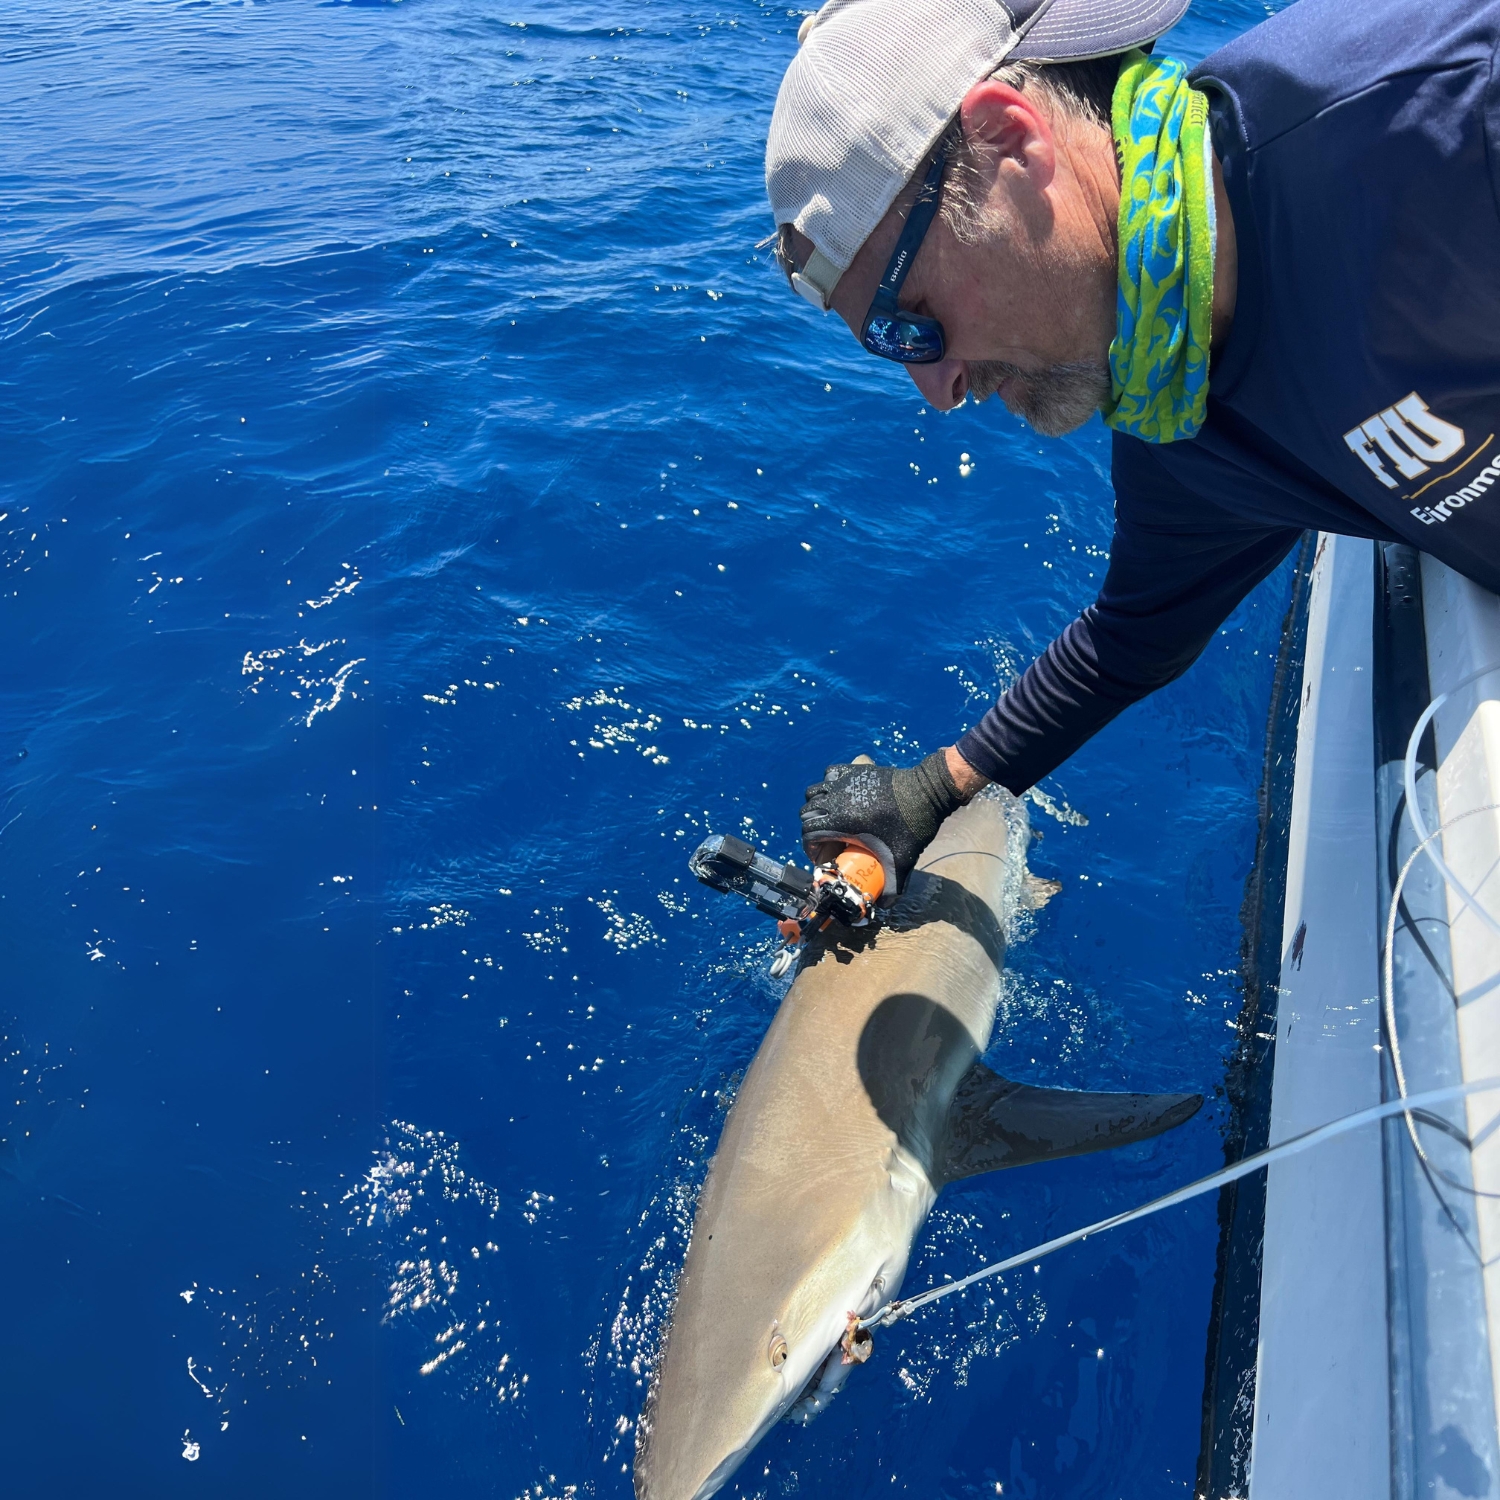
x: 995, y: 1123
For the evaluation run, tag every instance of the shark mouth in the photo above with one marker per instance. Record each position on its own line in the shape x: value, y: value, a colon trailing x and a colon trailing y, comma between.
x: 828, y: 1378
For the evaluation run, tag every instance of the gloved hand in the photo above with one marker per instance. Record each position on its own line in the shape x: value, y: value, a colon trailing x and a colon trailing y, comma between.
x: 893, y: 811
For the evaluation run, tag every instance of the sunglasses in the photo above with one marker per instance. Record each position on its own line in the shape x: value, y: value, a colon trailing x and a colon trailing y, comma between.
x: 907, y: 337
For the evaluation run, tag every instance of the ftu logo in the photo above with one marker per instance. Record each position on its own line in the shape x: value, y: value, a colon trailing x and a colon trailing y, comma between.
x: 1410, y: 439
x: 1407, y: 437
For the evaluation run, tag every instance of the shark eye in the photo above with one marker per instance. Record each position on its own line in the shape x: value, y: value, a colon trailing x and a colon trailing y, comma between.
x: 778, y: 1351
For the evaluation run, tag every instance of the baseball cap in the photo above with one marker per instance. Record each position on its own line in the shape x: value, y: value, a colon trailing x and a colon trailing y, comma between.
x: 875, y: 83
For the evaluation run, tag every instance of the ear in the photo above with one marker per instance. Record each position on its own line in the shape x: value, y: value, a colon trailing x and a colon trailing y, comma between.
x: 1012, y: 125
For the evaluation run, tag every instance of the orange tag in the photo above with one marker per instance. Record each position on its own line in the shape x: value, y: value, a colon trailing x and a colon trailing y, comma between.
x: 862, y: 871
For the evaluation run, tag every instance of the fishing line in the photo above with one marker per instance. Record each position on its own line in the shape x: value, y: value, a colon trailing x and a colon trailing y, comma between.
x: 903, y: 1307
x: 1413, y: 1107
x: 951, y: 854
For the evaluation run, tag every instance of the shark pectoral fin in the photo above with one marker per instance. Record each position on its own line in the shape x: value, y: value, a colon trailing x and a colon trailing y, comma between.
x: 995, y: 1123
x: 1036, y: 892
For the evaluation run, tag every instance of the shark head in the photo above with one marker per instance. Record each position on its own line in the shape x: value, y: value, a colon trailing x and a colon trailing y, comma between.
x: 755, y: 1333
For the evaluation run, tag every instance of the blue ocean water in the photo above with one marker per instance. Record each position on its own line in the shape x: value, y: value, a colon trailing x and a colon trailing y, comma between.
x: 425, y: 515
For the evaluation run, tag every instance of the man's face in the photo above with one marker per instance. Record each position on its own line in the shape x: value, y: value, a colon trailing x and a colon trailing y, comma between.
x: 1025, y: 293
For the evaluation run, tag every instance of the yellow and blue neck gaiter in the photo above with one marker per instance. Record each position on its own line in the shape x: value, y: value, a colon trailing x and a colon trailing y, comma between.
x: 1158, y: 360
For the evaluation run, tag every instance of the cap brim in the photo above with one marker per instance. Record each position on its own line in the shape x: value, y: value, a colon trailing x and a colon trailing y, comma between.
x: 1074, y: 30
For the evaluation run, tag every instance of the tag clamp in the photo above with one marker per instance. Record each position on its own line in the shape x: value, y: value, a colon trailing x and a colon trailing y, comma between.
x: 845, y: 889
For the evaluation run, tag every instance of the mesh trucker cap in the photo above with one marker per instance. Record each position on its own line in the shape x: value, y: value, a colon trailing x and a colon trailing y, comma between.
x: 875, y: 83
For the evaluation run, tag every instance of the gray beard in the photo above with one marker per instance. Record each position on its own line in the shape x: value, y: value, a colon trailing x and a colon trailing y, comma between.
x: 1054, y: 400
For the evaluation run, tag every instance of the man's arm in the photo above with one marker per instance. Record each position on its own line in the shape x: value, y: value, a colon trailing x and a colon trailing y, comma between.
x: 1177, y: 569
x: 1178, y: 566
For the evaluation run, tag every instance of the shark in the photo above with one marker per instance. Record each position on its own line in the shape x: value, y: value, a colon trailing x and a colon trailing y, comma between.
x: 866, y: 1098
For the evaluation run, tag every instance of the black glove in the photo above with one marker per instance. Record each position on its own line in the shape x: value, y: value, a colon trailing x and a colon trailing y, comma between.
x: 894, y: 812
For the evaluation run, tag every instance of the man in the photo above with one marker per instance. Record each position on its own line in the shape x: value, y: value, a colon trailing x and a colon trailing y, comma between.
x: 1290, y: 316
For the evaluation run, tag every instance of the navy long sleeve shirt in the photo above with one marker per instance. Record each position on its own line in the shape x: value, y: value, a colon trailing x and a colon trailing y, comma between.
x: 1359, y: 388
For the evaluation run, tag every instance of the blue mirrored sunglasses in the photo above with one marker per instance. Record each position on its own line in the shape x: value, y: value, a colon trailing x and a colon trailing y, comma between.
x: 907, y: 337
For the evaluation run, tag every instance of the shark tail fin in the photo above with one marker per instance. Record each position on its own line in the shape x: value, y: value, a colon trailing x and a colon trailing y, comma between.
x: 995, y: 1123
